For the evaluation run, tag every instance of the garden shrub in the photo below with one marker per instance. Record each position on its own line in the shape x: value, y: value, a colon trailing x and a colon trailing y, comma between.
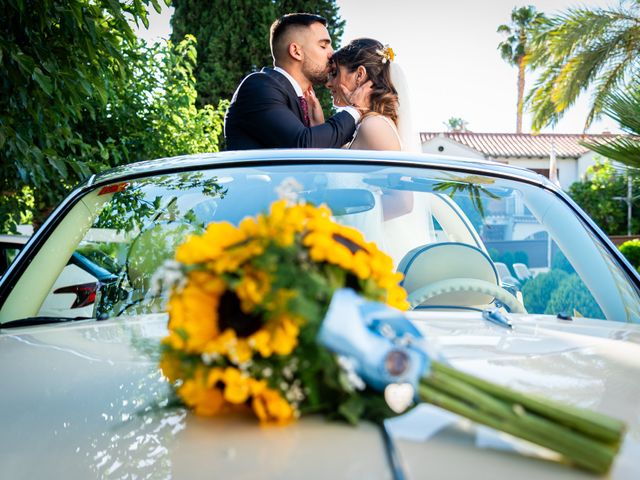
x: 560, y: 262
x: 537, y: 291
x: 521, y: 256
x: 573, y: 298
x: 631, y: 250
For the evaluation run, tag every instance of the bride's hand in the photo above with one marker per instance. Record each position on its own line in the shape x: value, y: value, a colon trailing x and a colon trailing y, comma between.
x: 360, y: 98
x: 316, y: 115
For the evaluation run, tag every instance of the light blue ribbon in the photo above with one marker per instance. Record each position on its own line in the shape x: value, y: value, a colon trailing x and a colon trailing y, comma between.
x: 367, y: 332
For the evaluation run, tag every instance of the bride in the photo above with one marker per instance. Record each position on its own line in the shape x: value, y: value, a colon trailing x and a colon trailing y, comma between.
x: 385, y: 126
x: 386, y: 123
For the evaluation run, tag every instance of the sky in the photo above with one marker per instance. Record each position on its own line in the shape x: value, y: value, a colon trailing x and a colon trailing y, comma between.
x: 448, y: 51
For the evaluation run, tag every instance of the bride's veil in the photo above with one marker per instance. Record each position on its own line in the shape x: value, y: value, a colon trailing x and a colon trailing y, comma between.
x: 408, y: 136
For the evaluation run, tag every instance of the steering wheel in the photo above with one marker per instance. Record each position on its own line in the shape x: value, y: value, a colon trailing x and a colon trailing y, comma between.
x: 453, y: 285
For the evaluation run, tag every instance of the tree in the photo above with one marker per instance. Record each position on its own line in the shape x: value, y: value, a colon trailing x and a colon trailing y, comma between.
x: 456, y: 124
x: 525, y: 22
x: 600, y: 196
x: 233, y: 38
x: 624, y: 108
x: 153, y: 113
x: 142, y: 105
x: 59, y: 59
x: 580, y: 49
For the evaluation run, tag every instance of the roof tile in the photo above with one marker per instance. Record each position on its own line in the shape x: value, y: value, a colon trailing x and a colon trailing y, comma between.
x: 521, y: 144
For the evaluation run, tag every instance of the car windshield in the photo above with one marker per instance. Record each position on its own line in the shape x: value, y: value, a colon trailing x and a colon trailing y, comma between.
x: 463, y: 241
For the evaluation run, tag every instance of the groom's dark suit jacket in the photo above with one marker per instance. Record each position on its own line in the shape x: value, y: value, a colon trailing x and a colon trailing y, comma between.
x: 265, y: 113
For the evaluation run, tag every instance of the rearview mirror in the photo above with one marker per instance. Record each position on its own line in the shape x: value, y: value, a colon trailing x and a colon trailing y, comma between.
x: 342, y: 201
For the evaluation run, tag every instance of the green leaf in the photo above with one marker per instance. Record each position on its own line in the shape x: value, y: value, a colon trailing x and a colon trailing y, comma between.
x: 25, y: 62
x: 59, y: 166
x: 86, y: 86
x: 156, y: 5
x: 22, y: 146
x: 43, y: 81
x: 352, y: 409
x: 76, y: 11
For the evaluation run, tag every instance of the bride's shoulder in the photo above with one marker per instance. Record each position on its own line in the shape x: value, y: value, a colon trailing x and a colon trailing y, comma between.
x: 381, y: 131
x: 377, y: 123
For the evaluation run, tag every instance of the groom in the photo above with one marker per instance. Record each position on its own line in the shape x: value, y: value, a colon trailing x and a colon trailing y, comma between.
x: 268, y: 110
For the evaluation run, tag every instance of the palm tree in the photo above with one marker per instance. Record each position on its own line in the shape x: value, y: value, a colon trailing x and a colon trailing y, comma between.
x: 624, y: 108
x: 456, y: 124
x: 583, y: 48
x: 525, y: 22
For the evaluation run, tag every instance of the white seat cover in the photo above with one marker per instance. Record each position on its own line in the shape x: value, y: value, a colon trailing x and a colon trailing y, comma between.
x: 436, y: 262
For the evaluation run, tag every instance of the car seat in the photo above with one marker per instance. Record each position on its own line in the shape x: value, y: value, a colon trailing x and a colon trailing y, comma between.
x: 453, y: 275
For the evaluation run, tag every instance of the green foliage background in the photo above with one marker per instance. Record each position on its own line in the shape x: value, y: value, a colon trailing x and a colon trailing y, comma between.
x: 572, y: 297
x: 596, y: 197
x: 631, y: 250
x: 233, y: 39
x: 81, y: 94
x: 537, y: 291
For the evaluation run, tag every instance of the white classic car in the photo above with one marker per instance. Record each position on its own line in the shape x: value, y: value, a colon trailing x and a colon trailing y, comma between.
x: 84, y: 398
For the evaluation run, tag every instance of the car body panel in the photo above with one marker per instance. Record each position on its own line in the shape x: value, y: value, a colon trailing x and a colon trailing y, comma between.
x: 88, y: 399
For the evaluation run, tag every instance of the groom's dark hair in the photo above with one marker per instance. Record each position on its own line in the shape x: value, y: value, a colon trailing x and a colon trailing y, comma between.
x: 286, y: 22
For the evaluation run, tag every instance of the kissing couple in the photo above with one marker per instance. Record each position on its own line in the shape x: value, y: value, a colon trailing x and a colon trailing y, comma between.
x: 277, y: 107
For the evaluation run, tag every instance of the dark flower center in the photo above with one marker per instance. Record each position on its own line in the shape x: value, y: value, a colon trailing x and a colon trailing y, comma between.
x: 351, y: 281
x: 231, y: 316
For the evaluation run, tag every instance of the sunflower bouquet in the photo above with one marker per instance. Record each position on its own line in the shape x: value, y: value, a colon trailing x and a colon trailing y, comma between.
x: 292, y: 313
x: 244, y: 321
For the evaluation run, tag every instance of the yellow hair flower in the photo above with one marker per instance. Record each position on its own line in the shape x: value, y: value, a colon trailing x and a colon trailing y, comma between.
x: 387, y: 54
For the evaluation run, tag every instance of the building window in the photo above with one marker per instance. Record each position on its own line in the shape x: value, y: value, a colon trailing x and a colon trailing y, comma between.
x: 545, y: 172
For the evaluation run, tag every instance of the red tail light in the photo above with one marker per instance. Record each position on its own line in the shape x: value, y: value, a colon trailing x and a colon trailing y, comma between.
x: 85, y: 293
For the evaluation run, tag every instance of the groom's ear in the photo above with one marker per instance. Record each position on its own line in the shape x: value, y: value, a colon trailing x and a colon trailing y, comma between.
x: 295, y: 51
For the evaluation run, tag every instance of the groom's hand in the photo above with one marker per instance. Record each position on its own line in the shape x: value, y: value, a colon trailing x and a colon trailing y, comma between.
x: 360, y: 98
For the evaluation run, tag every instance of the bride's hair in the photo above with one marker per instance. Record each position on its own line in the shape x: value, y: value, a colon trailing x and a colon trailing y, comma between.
x: 369, y: 53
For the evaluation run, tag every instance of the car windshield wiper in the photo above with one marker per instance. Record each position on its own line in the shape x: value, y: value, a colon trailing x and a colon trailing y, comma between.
x: 33, y: 321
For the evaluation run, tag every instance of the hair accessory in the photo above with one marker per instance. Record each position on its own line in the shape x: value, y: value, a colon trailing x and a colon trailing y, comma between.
x: 387, y: 53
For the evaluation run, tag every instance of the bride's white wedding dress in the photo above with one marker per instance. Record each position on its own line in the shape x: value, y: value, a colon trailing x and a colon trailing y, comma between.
x: 401, y: 233
x: 395, y: 234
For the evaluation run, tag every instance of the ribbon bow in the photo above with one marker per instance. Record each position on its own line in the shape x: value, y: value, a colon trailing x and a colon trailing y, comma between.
x: 383, y: 344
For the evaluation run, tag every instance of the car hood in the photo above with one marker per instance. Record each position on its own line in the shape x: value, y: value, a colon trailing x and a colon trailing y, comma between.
x: 87, y: 400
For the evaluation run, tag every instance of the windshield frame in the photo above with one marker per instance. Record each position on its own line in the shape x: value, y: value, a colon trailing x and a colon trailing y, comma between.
x: 212, y: 163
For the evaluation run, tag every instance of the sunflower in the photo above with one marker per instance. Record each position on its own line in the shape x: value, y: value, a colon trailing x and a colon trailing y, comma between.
x: 253, y: 297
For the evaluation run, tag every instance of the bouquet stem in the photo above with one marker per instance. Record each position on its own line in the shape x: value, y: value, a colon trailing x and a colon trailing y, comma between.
x: 585, y: 438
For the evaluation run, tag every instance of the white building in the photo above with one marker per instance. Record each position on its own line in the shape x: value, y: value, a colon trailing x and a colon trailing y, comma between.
x: 520, y: 149
x: 536, y: 152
